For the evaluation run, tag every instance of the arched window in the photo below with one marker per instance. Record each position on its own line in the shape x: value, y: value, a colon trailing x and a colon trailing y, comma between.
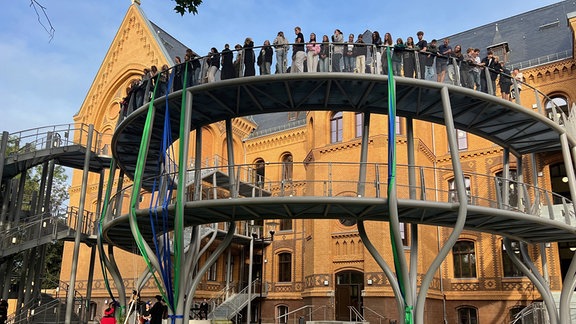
x: 282, y: 314
x: 453, y: 193
x: 287, y: 166
x: 511, y: 187
x: 259, y: 171
x: 508, y: 267
x: 559, y: 102
x: 359, y: 118
x: 559, y: 180
x: 212, y: 274
x: 464, y: 259
x: 467, y: 315
x: 284, y: 267
x: 336, y: 127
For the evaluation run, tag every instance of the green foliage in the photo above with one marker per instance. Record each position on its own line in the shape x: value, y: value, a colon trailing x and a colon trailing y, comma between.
x: 53, y: 261
x: 187, y: 6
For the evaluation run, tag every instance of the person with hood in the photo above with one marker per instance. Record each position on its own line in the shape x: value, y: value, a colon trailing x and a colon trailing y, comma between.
x: 249, y: 58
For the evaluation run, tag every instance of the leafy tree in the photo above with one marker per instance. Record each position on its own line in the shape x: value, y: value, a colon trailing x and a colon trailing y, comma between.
x: 190, y: 6
x: 58, y: 197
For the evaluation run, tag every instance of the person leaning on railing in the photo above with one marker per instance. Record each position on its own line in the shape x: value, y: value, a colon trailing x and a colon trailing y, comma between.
x: 360, y: 51
x: 214, y: 64
x: 238, y: 61
x: 312, y: 51
x: 455, y: 59
x: 504, y: 81
x: 298, y: 55
x: 264, y: 60
x: 466, y: 69
x: 249, y: 58
x: 324, y: 56
x: 377, y: 47
x: 397, y: 55
x: 337, y: 56
x: 281, y: 46
x: 409, y: 58
x: 227, y: 71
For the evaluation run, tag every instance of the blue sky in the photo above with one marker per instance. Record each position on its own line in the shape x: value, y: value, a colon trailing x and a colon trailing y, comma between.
x: 44, y: 82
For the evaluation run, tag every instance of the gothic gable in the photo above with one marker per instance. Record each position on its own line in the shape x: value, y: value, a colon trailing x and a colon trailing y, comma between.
x: 134, y: 47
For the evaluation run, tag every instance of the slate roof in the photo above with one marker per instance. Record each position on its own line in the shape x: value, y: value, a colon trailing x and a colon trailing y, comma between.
x: 173, y: 46
x: 535, y: 37
x: 275, y: 122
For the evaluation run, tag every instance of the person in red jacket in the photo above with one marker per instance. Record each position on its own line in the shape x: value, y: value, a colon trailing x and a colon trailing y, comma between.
x: 109, y: 314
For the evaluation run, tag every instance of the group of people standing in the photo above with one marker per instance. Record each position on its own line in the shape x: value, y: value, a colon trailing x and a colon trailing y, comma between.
x: 420, y: 59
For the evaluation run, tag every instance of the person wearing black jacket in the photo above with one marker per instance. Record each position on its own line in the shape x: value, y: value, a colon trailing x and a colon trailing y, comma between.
x: 360, y: 52
x: 227, y: 63
x: 265, y: 58
x: 490, y: 63
x: 249, y: 58
x: 214, y: 64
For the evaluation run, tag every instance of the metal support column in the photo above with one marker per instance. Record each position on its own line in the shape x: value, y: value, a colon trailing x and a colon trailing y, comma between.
x: 180, y: 282
x: 198, y: 166
x: 76, y: 252
x: 412, y: 194
x: 570, y: 280
x: 249, y: 307
x: 86, y: 305
x: 231, y: 164
x: 462, y: 208
x: 534, y: 278
x: 364, y: 155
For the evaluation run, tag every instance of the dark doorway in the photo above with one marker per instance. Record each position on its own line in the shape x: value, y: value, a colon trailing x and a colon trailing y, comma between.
x: 349, y: 286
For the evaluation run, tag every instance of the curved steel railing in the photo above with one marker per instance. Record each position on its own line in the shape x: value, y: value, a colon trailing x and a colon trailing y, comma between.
x: 326, y: 179
x: 554, y: 111
x: 54, y: 136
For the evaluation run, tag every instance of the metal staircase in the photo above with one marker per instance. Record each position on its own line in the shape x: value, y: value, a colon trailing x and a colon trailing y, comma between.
x: 234, y: 304
x: 42, y: 229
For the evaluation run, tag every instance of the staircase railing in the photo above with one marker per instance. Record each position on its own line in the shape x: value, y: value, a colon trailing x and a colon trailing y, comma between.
x: 57, y: 136
x: 380, y: 316
x: 234, y: 304
x: 534, y: 313
x: 43, y: 228
x: 223, y: 294
x: 355, y: 315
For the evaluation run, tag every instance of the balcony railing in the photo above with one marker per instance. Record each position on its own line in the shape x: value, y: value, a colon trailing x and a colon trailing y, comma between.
x: 340, y: 179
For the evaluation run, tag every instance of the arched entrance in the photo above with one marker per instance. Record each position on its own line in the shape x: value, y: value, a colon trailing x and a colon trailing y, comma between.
x: 349, y: 286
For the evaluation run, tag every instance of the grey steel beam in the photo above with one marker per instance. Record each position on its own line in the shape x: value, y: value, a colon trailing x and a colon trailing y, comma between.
x: 364, y: 154
x: 462, y: 209
x: 79, y: 221
x: 178, y: 238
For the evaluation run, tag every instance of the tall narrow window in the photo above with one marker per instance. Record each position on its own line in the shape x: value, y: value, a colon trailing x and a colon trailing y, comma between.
x: 285, y: 267
x: 259, y: 172
x: 213, y: 272
x: 462, y: 137
x: 398, y: 125
x: 453, y: 193
x: 336, y: 128
x: 404, y: 233
x: 359, y: 118
x: 282, y: 314
x: 467, y: 315
x: 287, y: 166
x: 286, y: 224
x: 510, y: 188
x: 464, y: 259
x: 557, y: 104
x: 509, y: 268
